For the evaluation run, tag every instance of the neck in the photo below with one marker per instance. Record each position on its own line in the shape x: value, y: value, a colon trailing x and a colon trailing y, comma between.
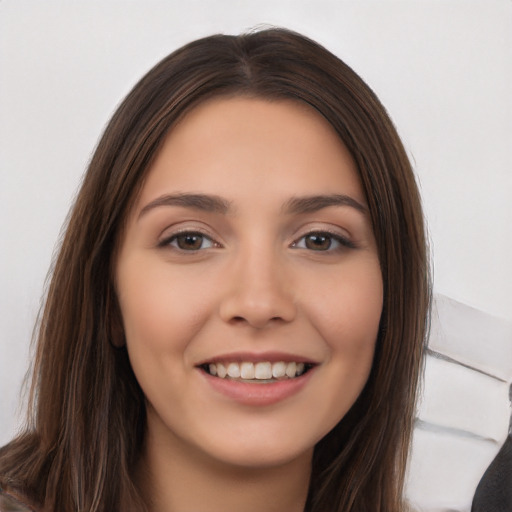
x: 181, y: 480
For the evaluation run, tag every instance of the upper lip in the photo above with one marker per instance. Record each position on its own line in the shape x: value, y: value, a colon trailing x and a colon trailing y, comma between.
x: 252, y: 357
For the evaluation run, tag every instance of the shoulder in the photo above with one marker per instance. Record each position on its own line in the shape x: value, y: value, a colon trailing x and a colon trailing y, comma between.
x: 11, y: 502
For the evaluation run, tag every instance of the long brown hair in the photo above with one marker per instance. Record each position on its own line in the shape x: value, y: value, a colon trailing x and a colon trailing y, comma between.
x: 87, y: 426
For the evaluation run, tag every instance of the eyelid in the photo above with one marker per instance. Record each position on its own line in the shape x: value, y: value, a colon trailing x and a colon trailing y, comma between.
x: 344, y: 241
x: 168, y: 238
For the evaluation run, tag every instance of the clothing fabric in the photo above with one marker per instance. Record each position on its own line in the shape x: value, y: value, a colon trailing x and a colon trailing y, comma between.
x: 494, y: 492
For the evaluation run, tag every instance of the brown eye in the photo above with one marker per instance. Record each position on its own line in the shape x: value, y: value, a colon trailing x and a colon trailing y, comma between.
x: 189, y: 241
x: 323, y: 241
x: 318, y: 242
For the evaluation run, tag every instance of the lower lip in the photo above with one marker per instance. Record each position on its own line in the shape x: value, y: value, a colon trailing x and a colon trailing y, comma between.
x: 258, y: 394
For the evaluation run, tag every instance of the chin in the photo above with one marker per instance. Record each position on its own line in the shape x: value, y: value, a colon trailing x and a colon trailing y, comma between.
x: 262, y: 452
x: 257, y: 458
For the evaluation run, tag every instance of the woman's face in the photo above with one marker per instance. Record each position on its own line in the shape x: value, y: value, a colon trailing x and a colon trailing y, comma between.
x: 249, y: 252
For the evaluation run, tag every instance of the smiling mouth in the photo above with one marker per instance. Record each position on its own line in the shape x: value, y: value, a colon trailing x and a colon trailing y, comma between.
x: 260, y: 372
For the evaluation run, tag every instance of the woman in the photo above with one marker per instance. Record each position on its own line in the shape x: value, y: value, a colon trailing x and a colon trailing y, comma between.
x: 237, y: 315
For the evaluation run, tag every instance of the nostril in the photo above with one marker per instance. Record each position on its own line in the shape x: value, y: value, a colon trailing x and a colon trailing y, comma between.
x: 255, y: 322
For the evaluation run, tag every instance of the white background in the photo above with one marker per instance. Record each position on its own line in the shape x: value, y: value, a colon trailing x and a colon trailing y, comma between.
x: 442, y: 68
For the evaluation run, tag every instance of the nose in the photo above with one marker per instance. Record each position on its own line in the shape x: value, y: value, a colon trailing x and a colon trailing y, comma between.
x: 258, y: 292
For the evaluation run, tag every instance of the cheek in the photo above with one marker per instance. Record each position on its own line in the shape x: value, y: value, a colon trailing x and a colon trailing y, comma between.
x: 348, y: 308
x: 157, y: 307
x: 161, y: 314
x: 347, y: 315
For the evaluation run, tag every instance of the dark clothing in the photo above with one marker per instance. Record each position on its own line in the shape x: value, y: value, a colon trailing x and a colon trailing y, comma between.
x: 494, y: 492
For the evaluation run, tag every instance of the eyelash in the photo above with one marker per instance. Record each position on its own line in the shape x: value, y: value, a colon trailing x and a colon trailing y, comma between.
x: 187, y: 233
x: 343, y: 242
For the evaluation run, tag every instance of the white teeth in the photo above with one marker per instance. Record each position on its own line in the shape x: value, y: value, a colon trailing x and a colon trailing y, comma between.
x: 221, y: 370
x: 247, y: 371
x: 263, y: 370
x: 291, y: 369
x: 278, y: 370
x: 234, y: 370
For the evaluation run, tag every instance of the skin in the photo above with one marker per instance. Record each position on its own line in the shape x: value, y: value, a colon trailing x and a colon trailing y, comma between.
x: 253, y: 280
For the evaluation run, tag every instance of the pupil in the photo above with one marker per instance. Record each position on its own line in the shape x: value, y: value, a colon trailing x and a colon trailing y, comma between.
x: 190, y: 242
x: 318, y: 242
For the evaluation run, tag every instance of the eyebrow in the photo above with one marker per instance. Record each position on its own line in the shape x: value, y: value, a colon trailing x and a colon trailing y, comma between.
x: 204, y: 202
x: 217, y: 204
x: 308, y: 204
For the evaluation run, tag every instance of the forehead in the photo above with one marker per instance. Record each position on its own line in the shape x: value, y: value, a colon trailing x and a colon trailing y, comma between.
x: 253, y: 145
